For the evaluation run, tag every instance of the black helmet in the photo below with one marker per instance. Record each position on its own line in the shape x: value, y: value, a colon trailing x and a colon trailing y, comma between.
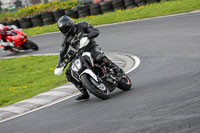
x: 65, y: 25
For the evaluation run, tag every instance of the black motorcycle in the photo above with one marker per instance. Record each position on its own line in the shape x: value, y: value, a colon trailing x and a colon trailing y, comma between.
x: 98, y: 79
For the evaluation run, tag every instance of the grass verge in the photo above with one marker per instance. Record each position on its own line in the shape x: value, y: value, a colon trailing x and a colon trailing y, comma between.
x: 25, y: 77
x: 38, y: 8
x: 147, y: 11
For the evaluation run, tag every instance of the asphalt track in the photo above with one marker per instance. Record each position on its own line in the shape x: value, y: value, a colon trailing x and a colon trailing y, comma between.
x: 166, y: 87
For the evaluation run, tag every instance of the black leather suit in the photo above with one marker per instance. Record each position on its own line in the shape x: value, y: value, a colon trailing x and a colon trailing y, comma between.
x: 81, y: 29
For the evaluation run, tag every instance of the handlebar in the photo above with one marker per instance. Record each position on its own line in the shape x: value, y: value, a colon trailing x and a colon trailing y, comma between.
x: 69, y: 56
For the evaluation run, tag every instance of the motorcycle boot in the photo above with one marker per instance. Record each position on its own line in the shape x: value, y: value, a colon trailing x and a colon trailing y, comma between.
x: 84, y: 94
x: 117, y: 70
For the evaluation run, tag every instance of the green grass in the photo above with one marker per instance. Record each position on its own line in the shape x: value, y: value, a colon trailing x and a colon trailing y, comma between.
x: 147, y: 11
x: 39, y: 8
x: 25, y: 77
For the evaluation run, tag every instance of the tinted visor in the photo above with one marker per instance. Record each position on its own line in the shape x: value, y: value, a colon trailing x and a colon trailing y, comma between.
x: 66, y: 30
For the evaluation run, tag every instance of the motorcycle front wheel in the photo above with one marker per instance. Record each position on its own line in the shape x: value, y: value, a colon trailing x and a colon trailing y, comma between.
x: 97, y: 89
x: 31, y: 45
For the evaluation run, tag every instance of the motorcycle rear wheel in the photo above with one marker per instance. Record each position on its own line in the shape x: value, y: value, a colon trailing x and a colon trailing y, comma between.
x: 90, y: 84
x: 125, y: 83
x: 31, y: 45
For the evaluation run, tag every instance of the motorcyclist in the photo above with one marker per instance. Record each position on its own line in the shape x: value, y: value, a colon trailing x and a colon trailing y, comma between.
x: 3, y: 34
x: 72, y: 33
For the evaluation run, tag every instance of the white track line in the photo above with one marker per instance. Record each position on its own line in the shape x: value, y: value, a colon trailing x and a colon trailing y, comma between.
x: 136, y: 65
x: 44, y: 106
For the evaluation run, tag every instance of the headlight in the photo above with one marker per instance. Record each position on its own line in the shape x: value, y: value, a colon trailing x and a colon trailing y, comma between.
x: 77, y: 65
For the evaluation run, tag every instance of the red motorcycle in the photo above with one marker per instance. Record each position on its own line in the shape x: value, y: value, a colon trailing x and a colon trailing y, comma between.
x: 19, y: 41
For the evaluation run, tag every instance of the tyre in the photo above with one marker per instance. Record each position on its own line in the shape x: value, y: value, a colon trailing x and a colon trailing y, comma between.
x: 25, y: 23
x: 31, y: 45
x: 83, y: 11
x: 129, y: 7
x: 36, y: 20
x: 58, y: 13
x: 125, y: 83
x: 90, y: 84
x: 140, y: 2
x: 94, y: 6
x: 152, y: 1
x: 130, y: 3
x: 95, y: 12
x: 95, y: 9
x: 72, y: 13
x: 82, y: 15
x: 48, y: 18
x: 48, y: 22
x: 14, y: 22
x: 106, y: 6
x: 118, y: 4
